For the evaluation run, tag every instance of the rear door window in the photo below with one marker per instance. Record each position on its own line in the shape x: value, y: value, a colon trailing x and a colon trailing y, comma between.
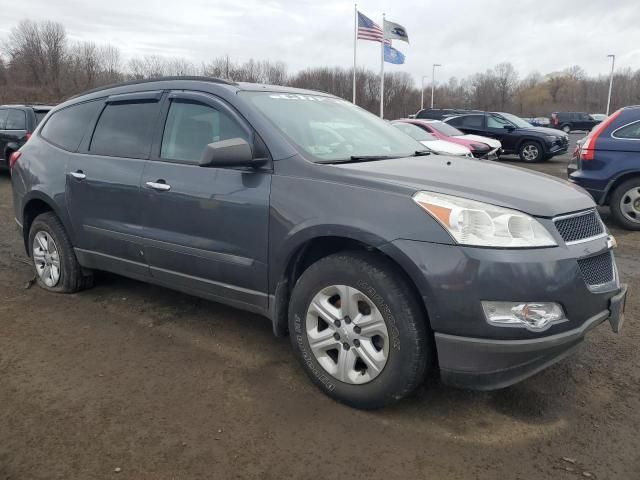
x: 66, y: 128
x: 191, y: 126
x: 472, y: 121
x: 3, y: 118
x: 16, y: 120
x: 125, y: 129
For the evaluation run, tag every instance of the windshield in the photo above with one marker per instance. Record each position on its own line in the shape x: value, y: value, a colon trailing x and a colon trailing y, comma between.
x: 332, y: 129
x: 415, y: 132
x: 446, y: 129
x: 517, y: 121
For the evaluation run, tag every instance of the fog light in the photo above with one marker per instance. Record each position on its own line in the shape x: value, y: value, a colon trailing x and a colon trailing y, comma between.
x: 534, y: 316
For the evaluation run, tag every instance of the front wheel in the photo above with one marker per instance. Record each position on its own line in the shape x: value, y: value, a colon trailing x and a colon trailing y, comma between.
x: 358, y: 330
x: 625, y: 204
x: 530, y: 152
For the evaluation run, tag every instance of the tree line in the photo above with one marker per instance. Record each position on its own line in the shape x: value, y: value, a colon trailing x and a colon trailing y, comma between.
x: 38, y: 63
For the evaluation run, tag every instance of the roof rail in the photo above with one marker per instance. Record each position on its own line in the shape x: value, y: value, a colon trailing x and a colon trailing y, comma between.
x: 157, y: 79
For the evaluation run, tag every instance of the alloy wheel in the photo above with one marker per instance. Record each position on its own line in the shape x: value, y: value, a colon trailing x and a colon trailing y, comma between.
x: 46, y: 259
x: 530, y: 152
x: 347, y: 334
x: 630, y: 204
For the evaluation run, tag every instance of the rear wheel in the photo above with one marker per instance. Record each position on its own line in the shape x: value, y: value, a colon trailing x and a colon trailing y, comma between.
x: 358, y: 330
x: 54, y: 261
x: 566, y: 128
x: 530, y: 152
x: 625, y: 204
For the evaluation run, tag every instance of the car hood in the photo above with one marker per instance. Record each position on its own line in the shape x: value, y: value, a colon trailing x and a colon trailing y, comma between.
x: 544, y: 131
x: 512, y: 187
x: 492, y: 142
x: 442, y: 146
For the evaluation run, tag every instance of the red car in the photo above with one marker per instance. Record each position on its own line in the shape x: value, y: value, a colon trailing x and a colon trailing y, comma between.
x: 481, y: 147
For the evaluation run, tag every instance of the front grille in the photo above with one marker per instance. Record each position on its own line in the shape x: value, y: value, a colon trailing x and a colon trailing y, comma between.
x: 579, y: 226
x: 597, y: 270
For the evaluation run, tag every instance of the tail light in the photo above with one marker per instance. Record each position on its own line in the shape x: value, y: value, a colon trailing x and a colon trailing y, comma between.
x: 27, y: 136
x: 15, y: 156
x: 587, y: 151
x: 554, y: 119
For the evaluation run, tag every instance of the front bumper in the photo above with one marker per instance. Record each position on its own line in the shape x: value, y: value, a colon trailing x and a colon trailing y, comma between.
x: 484, y: 364
x: 453, y: 280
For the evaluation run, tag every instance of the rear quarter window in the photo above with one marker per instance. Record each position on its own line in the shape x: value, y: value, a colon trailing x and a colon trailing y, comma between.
x: 125, y: 129
x: 628, y: 132
x: 66, y: 128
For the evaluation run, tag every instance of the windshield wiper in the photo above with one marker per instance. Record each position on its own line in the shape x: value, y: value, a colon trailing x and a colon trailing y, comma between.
x: 360, y: 158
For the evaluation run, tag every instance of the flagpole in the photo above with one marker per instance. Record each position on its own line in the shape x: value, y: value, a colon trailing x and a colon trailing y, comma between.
x: 382, y: 71
x: 355, y: 44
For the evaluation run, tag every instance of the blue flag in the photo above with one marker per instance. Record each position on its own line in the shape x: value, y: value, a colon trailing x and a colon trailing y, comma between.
x: 391, y: 55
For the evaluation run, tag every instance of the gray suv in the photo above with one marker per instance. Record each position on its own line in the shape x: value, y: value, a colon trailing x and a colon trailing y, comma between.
x: 380, y: 261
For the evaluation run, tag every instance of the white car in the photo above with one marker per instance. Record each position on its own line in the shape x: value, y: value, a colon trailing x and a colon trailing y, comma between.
x: 441, y: 147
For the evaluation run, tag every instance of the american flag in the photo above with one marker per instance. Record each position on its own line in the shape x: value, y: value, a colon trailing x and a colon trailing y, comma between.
x: 368, y: 30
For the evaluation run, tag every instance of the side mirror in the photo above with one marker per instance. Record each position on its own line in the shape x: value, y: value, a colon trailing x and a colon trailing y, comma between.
x: 234, y: 152
x: 509, y: 127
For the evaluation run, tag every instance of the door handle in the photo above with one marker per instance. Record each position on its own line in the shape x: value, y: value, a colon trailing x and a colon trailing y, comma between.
x: 160, y: 185
x: 78, y: 174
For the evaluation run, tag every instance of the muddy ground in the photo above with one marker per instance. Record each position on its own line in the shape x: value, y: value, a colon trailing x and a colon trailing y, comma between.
x: 133, y: 381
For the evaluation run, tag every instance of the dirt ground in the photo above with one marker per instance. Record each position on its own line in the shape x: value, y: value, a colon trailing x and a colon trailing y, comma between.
x: 134, y: 381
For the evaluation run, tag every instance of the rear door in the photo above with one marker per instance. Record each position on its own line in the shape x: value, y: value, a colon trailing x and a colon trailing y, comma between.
x: 473, y: 124
x: 206, y: 229
x: 103, y: 183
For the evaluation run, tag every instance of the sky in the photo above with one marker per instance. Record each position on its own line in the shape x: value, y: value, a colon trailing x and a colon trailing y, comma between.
x: 465, y: 36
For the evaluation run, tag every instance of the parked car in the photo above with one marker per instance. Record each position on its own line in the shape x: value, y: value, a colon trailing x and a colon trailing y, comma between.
x: 480, y: 147
x: 440, y: 113
x: 607, y: 164
x: 538, y: 121
x: 598, y: 117
x: 569, y: 121
x: 381, y: 266
x: 532, y: 144
x: 441, y: 147
x: 17, y: 122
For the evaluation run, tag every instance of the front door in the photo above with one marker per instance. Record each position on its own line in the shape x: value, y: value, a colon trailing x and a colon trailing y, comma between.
x: 103, y: 184
x: 206, y: 229
x: 502, y: 129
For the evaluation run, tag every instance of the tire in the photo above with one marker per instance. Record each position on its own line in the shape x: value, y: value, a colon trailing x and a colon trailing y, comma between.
x: 625, y: 204
x: 566, y: 128
x: 47, y: 230
x: 377, y: 290
x: 530, y: 151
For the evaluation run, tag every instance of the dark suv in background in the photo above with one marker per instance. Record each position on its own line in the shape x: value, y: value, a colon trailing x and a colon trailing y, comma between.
x: 569, y: 121
x: 380, y: 261
x: 17, y: 123
x: 532, y: 144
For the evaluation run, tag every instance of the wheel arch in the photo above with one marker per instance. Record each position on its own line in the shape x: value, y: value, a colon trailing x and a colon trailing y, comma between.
x: 36, y: 203
x: 314, y: 248
x: 613, y: 184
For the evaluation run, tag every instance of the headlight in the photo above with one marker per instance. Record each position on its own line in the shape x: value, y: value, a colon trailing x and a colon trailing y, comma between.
x: 552, y: 138
x: 484, y: 225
